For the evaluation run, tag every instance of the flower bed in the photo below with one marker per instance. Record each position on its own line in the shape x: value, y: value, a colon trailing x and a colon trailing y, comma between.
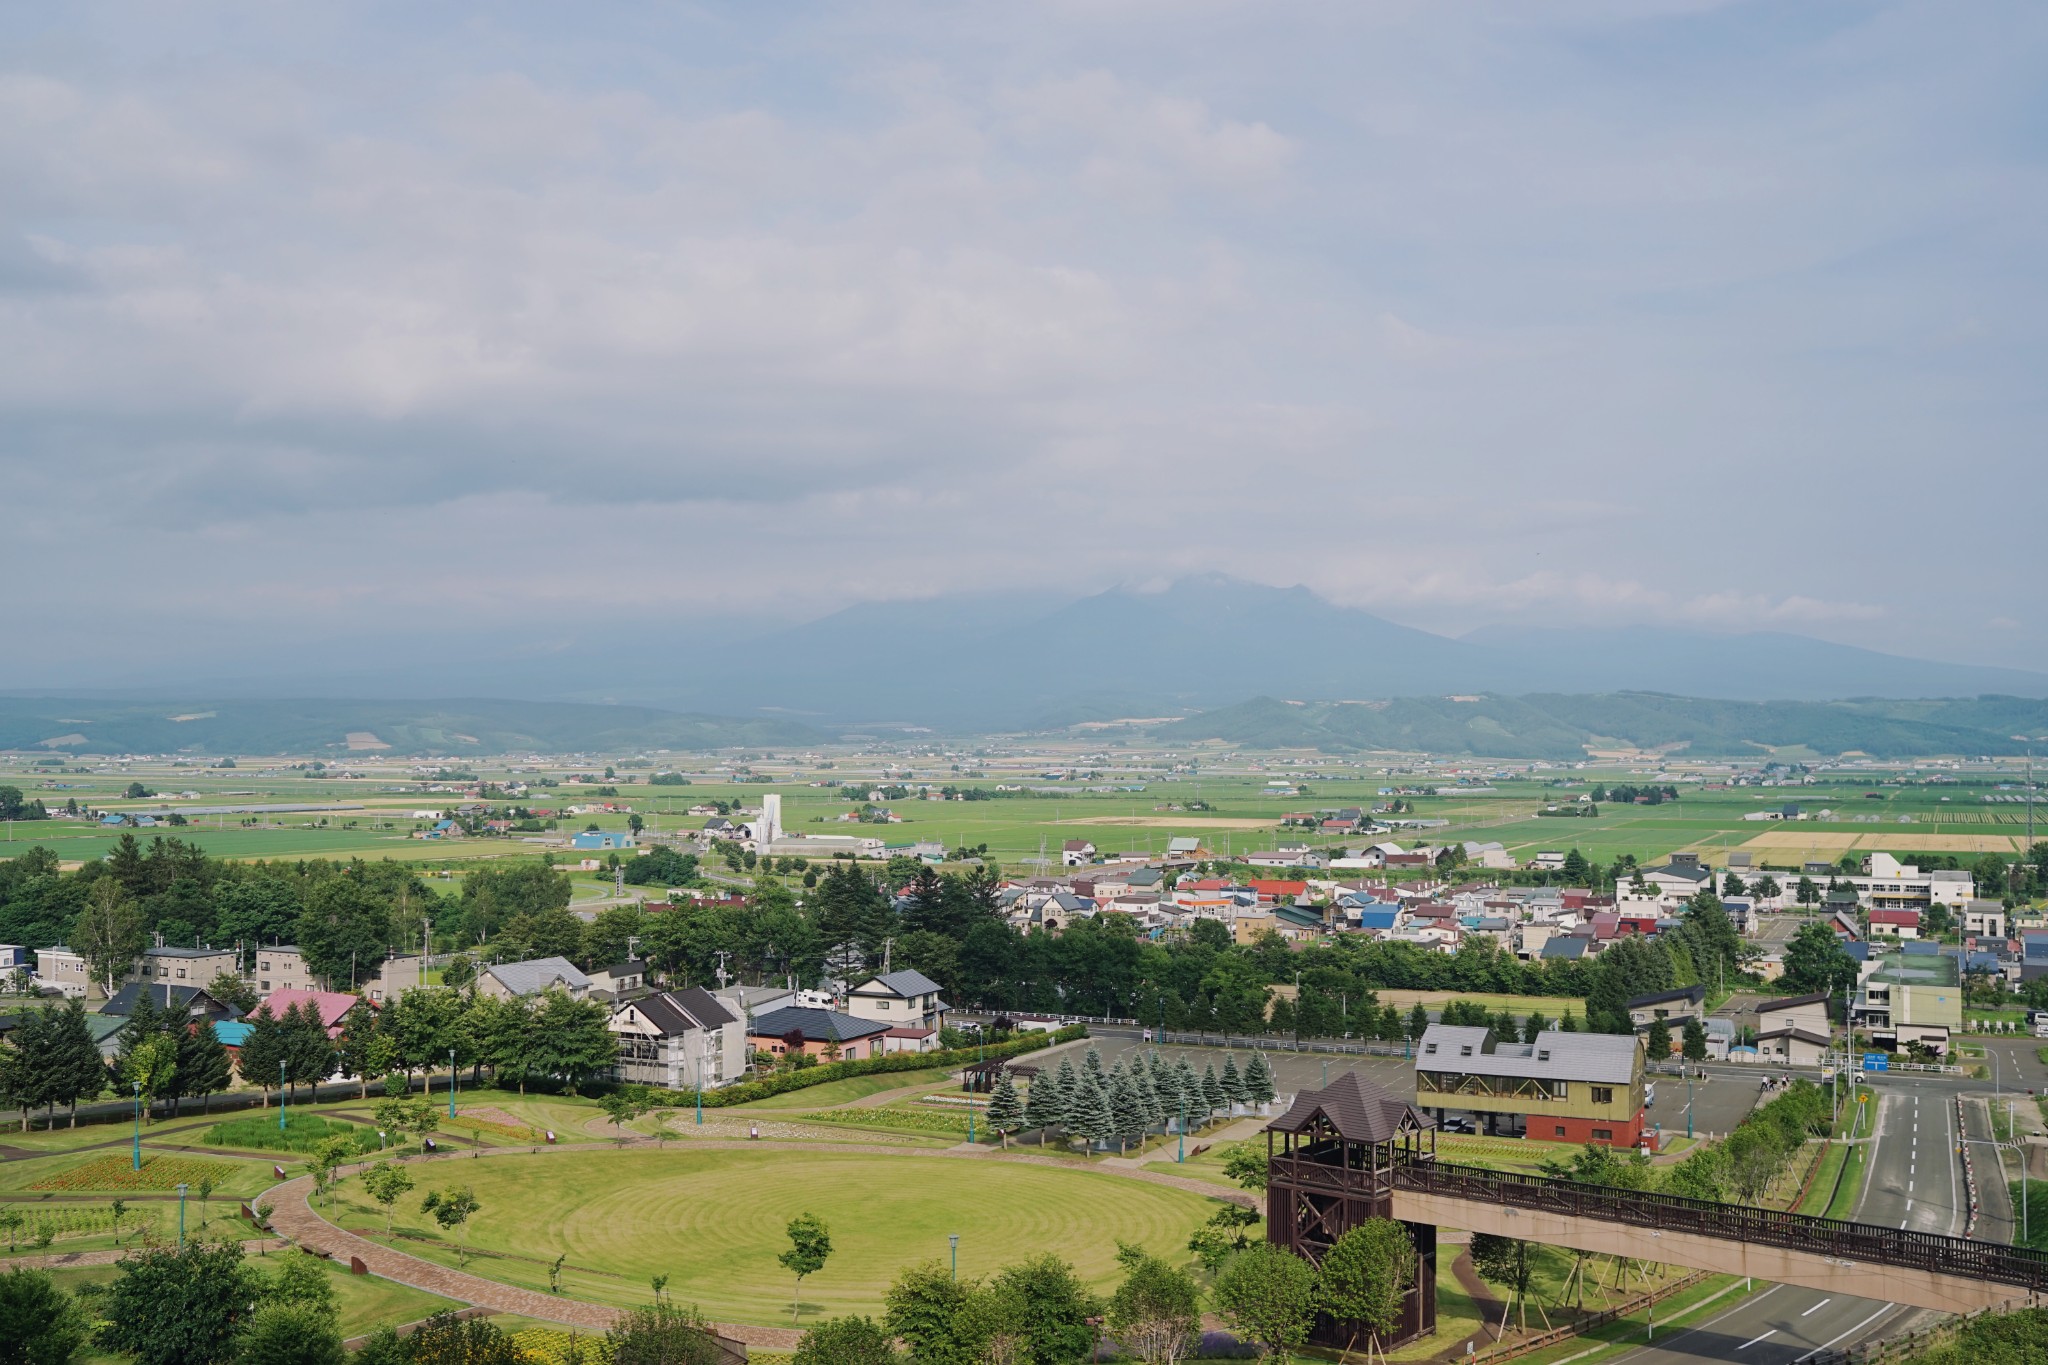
x: 301, y: 1133
x: 65, y: 1222
x: 552, y: 1346
x: 495, y: 1121
x: 157, y: 1173
x: 898, y: 1116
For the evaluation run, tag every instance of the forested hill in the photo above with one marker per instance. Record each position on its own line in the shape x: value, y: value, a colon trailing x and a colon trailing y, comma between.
x: 72, y: 725
x: 1559, y: 726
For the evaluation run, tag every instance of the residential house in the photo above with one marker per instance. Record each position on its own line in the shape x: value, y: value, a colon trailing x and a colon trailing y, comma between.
x: 394, y: 977
x: 283, y: 968
x: 906, y: 999
x: 620, y: 978
x: 187, y: 966
x: 331, y: 1006
x: 1794, y: 1030
x: 819, y: 1032
x: 597, y: 841
x: 515, y: 980
x: 679, y: 1040
x: 1674, y: 1007
x: 193, y: 1001
x: 1076, y: 853
x: 1983, y: 919
x: 64, y: 972
x: 1895, y: 923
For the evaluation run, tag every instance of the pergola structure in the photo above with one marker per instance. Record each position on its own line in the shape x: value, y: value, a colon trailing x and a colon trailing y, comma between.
x: 1330, y: 1163
x: 980, y: 1078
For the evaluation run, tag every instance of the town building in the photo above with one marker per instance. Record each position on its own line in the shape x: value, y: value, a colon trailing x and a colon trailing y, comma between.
x: 679, y: 1040
x: 1564, y: 1087
x: 517, y: 980
x: 1674, y: 1007
x: 187, y: 966
x: 331, y: 1006
x: 821, y: 1033
x: 901, y: 999
x: 1913, y: 998
x: 1793, y: 1030
x: 64, y: 972
x: 283, y: 968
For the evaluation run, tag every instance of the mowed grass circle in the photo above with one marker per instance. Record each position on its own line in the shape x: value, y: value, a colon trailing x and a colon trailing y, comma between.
x: 713, y: 1222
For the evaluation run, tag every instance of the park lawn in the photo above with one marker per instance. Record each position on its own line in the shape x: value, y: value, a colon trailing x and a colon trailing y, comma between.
x: 714, y: 1220
x: 367, y: 1302
x: 1553, y: 1006
x: 853, y: 1088
x: 71, y: 1173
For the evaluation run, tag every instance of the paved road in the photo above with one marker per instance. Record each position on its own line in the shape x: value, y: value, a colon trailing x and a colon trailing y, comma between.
x: 1914, y: 1182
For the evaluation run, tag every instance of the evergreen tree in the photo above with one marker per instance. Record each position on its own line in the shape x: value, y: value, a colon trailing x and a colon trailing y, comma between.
x: 1005, y: 1112
x: 1092, y: 1062
x: 1258, y: 1080
x: 1571, y: 1022
x: 204, y: 1068
x: 32, y: 1064
x: 308, y: 1052
x: 1231, y: 1081
x: 1042, y: 1104
x: 262, y: 1050
x: 1148, y: 1099
x: 1089, y: 1118
x: 1127, y: 1111
x: 1695, y: 1040
x: 358, y: 1035
x: 1418, y: 1021
x: 1069, y: 1082
x: 1212, y: 1089
x: 80, y: 1072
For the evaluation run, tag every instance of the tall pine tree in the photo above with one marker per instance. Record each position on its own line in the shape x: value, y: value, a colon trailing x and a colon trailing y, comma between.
x: 1258, y: 1081
x: 1231, y: 1081
x: 262, y: 1052
x: 1005, y: 1112
x: 203, y: 1065
x: 1212, y: 1089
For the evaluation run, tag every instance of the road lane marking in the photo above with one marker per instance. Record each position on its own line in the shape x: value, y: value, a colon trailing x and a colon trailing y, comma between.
x: 1754, y: 1340
x: 1851, y: 1332
x: 1817, y: 1307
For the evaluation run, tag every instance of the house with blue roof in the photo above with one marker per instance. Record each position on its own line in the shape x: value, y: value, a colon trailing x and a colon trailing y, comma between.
x: 1569, y: 947
x: 597, y: 841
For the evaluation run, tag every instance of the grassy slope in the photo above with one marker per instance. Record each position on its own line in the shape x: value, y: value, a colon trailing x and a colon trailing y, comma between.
x: 714, y: 1221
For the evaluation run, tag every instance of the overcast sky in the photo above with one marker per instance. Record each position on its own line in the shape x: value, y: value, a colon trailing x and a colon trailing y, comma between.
x: 352, y: 331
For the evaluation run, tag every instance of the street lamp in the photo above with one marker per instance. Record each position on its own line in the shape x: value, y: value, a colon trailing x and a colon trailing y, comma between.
x: 954, y: 1238
x: 138, y: 1125
x: 1181, y: 1132
x: 280, y: 1094
x: 181, y: 1217
x: 451, y: 1082
x: 1688, y: 1101
x: 700, y: 1083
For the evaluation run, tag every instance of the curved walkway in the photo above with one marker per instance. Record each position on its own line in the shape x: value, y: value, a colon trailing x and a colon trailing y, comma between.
x: 293, y: 1217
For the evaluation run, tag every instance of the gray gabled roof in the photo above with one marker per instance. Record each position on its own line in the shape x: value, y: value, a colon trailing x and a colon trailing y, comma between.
x: 681, y: 1011
x: 815, y: 1025
x: 1604, y: 1058
x: 534, y: 976
x: 904, y: 984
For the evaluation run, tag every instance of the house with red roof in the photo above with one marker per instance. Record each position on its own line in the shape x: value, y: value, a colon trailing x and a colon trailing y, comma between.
x: 1270, y: 892
x: 1903, y: 923
x: 332, y: 1006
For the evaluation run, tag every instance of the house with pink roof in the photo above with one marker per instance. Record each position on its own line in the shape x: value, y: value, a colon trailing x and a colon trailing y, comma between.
x: 332, y: 1006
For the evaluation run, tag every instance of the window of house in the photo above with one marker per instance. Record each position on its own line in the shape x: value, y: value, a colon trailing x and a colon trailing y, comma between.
x: 1560, y: 1130
x: 1603, y: 1094
x: 881, y: 1004
x: 263, y: 985
x: 1431, y: 1049
x: 1603, y: 1135
x: 1465, y: 1051
x: 1543, y: 1055
x: 181, y: 973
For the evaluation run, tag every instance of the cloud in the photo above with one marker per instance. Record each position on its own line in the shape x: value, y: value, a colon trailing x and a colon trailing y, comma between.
x: 1577, y: 312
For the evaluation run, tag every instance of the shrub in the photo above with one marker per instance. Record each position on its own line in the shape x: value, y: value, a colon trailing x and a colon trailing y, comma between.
x: 783, y: 1082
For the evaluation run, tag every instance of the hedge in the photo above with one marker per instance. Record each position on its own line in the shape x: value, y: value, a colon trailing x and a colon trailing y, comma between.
x: 782, y: 1082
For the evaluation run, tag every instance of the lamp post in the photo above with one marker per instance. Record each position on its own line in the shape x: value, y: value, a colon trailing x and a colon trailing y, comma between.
x: 1181, y: 1133
x: 181, y: 1217
x: 700, y: 1084
x: 280, y: 1094
x: 138, y: 1125
x: 954, y: 1238
x: 451, y: 1082
x: 1688, y: 1101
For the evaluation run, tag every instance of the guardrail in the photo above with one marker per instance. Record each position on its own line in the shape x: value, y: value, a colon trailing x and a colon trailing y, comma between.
x: 2021, y: 1267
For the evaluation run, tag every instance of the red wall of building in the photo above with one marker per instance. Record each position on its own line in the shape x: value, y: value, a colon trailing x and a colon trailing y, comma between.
x: 1543, y: 1127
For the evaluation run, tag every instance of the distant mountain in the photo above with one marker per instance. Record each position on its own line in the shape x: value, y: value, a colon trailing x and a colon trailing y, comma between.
x: 84, y: 725
x: 975, y: 663
x: 1564, y: 727
x: 1757, y: 666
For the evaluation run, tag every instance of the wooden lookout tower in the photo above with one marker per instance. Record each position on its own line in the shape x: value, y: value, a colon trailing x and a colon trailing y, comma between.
x: 1330, y: 1163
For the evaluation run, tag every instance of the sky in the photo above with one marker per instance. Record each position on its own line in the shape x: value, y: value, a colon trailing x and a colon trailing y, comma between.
x: 388, y: 331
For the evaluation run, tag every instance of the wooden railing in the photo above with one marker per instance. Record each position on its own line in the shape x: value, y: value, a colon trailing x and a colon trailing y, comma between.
x: 1833, y: 1237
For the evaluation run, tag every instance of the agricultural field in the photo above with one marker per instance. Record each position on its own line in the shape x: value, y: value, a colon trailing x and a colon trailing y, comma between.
x: 1134, y: 808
